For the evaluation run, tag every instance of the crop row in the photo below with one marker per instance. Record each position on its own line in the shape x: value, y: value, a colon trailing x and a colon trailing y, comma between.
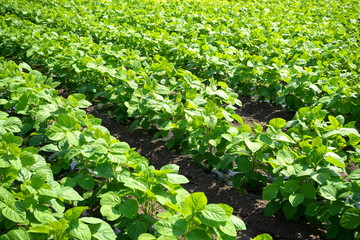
x: 292, y: 53
x: 58, y: 165
x: 313, y: 158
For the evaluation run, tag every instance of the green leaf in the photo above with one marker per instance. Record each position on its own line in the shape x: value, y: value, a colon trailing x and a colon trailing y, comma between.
x: 254, y: 146
x: 244, y: 163
x: 329, y: 192
x: 6, y: 197
x: 16, y: 216
x: 285, y: 157
x: 228, y: 228
x: 296, y: 198
x: 38, y: 179
x: 355, y: 175
x: 16, y: 234
x: 272, y: 208
x: 289, y: 211
x: 3, y: 101
x: 264, y: 138
x: 79, y: 230
x: 291, y: 186
x: 69, y: 193
x: 191, y: 94
x: 12, y: 124
x: 136, y: 228
x: 270, y: 192
x: 104, y: 170
x: 195, y: 202
x: 176, y: 179
x: 229, y: 210
x: 237, y: 118
x: 312, y: 209
x: 146, y: 236
x: 54, y: 133
x: 210, y: 121
x: 86, y: 181
x: 213, y: 215
x: 308, y: 190
x: 335, y: 159
x: 74, y: 213
x: 263, y: 236
x: 132, y: 183
x: 238, y: 223
x: 100, y: 229
x: 179, y: 227
x: 164, y: 227
x: 351, y: 218
x: 354, y: 139
x: 129, y: 208
x: 27, y: 158
x: 277, y: 123
x: 119, y: 148
x: 222, y: 94
x: 65, y: 120
x: 197, y: 234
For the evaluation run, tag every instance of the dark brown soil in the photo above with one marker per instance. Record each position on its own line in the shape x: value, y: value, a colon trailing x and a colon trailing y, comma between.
x: 261, y: 113
x: 247, y: 206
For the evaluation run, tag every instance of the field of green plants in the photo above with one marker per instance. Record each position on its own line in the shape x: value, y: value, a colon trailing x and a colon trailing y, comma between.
x: 177, y: 68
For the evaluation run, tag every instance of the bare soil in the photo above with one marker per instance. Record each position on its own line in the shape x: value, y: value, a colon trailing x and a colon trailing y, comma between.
x: 247, y: 206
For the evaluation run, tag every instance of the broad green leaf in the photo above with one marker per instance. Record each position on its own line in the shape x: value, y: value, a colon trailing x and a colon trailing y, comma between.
x: 74, y: 213
x: 100, y: 229
x: 244, y: 163
x: 355, y: 175
x: 104, y: 170
x: 136, y: 228
x: 79, y: 230
x: 129, y: 208
x: 86, y: 181
x: 272, y: 208
x: 210, y: 121
x: 329, y: 192
x: 176, y: 179
x: 119, y: 148
x: 213, y: 215
x: 195, y: 202
x: 229, y: 229
x: 69, y: 193
x: 197, y: 234
x: 277, y: 123
x: 289, y: 211
x: 285, y: 157
x: 264, y: 236
x: 16, y: 234
x: 132, y: 183
x: 335, y: 159
x: 312, y: 209
x: 291, y: 186
x: 296, y: 198
x: 270, y: 192
x: 38, y: 179
x: 146, y: 236
x: 350, y: 218
x: 238, y: 223
x: 12, y: 124
x: 16, y: 216
x: 265, y: 139
x: 308, y: 190
x: 229, y: 210
x: 254, y: 146
x: 67, y: 121
x: 164, y: 227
